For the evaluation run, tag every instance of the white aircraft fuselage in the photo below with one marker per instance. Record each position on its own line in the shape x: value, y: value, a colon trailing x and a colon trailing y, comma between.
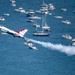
x: 14, y: 33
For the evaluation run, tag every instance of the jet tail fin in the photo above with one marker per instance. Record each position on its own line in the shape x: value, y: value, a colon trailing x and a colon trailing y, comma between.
x: 22, y: 32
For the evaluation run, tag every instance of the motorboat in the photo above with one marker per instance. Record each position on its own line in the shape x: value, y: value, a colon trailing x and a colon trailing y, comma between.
x: 46, y: 27
x: 50, y: 13
x: 20, y: 10
x: 51, y: 7
x: 30, y: 13
x: 6, y: 14
x: 73, y: 42
x: 13, y: 4
x: 2, y: 18
x: 66, y: 22
x: 42, y: 11
x: 58, y: 17
x: 63, y: 9
x: 67, y: 36
x: 34, y: 17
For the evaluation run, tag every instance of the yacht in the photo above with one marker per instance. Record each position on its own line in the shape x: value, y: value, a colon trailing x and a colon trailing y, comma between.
x: 73, y: 42
x: 20, y: 10
x: 66, y: 22
x: 67, y: 36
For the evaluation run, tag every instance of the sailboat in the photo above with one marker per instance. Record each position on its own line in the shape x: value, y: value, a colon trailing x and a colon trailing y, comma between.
x: 42, y: 32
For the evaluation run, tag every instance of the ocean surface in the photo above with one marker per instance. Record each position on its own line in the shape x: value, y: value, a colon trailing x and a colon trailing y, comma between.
x: 55, y: 55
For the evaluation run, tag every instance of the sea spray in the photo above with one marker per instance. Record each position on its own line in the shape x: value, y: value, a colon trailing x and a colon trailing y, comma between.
x: 69, y: 50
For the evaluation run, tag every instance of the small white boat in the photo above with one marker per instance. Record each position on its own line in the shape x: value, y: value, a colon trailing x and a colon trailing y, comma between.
x: 63, y: 9
x: 35, y: 17
x: 66, y: 22
x: 6, y: 14
x: 67, y: 36
x: 58, y: 17
x: 50, y: 13
x: 13, y: 4
x: 46, y: 27
x: 73, y: 42
x: 51, y: 7
x: 2, y: 18
x: 20, y: 10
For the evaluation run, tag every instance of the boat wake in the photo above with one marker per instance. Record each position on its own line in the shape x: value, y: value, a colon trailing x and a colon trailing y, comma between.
x: 69, y: 50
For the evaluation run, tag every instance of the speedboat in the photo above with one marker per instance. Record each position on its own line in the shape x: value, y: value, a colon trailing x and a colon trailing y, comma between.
x: 58, y: 17
x: 6, y: 14
x: 67, y: 36
x: 20, y: 10
x: 63, y: 9
x: 73, y: 42
x: 66, y: 22
x: 2, y: 18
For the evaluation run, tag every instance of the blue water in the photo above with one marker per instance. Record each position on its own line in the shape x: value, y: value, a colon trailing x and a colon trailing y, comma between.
x: 18, y: 59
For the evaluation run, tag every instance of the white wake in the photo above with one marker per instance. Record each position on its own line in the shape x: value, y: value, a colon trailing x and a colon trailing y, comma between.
x: 69, y: 50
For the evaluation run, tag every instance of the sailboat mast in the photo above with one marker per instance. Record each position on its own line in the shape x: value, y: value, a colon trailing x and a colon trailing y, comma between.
x: 42, y: 22
x: 45, y: 19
